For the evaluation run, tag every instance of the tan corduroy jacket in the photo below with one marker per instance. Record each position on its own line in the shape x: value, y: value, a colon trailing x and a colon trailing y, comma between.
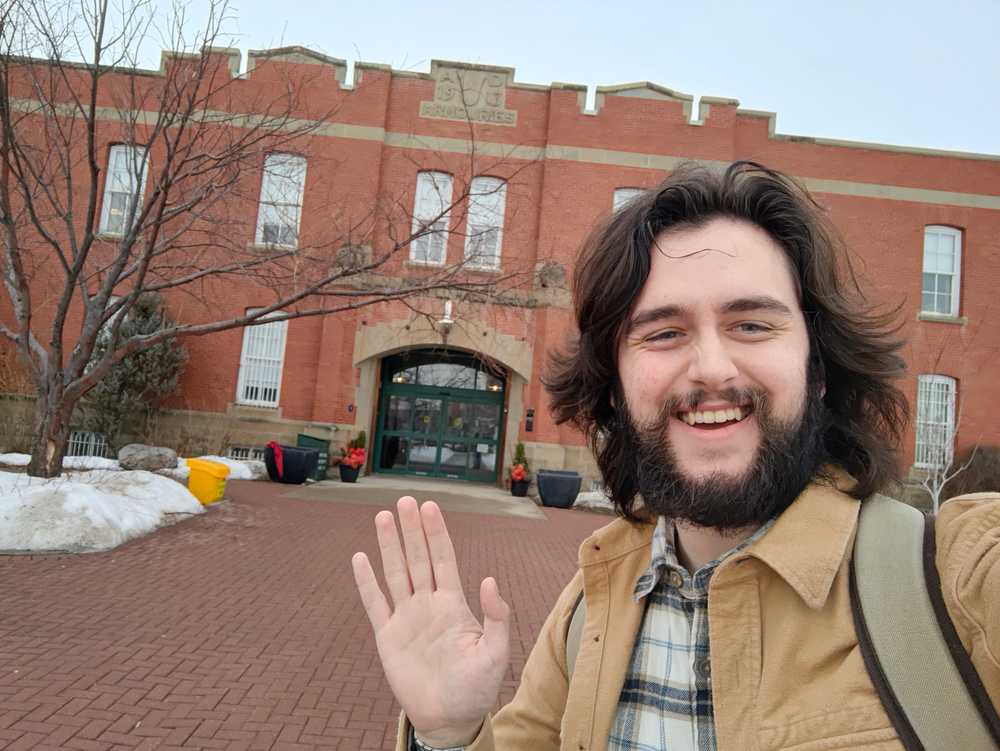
x: 786, y: 669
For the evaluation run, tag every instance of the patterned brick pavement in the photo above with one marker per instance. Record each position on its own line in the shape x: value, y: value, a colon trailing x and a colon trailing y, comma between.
x: 239, y: 629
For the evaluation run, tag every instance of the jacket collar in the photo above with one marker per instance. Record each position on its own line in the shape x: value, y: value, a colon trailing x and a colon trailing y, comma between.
x: 810, y: 541
x: 806, y: 546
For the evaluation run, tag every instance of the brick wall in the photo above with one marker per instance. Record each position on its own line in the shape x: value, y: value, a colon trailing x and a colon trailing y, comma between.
x: 562, y: 165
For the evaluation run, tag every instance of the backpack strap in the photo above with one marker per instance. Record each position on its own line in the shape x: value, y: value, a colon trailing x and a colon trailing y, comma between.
x: 902, y: 635
x: 574, y: 632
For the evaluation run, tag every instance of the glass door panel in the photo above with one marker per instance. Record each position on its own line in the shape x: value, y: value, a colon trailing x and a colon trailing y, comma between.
x: 394, y: 452
x: 454, y: 458
x: 422, y: 456
x: 427, y: 415
x: 398, y: 413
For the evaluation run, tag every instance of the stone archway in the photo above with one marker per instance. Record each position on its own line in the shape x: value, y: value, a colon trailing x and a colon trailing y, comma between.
x: 372, y: 343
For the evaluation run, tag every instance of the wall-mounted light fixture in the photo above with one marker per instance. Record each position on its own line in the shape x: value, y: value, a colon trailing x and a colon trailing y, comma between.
x: 446, y: 322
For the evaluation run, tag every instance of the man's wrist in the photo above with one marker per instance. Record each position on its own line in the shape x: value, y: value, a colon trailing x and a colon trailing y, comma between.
x: 420, y: 745
x: 446, y: 741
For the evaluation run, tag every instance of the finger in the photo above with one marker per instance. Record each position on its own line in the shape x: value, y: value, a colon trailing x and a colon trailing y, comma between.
x: 442, y: 552
x: 496, y: 621
x: 417, y: 559
x: 372, y: 597
x: 393, y: 563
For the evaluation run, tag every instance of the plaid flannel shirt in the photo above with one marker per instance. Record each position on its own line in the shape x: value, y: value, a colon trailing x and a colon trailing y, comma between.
x: 666, y: 702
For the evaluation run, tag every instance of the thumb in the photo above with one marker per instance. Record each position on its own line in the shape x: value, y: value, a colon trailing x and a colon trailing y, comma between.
x: 496, y: 620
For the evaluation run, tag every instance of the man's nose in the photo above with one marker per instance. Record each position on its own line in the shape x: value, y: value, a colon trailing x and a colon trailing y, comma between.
x: 711, y: 364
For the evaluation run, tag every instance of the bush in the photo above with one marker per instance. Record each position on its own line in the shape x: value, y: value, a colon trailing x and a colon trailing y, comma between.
x: 520, y: 461
x: 982, y: 475
x: 134, y: 388
x: 353, y: 454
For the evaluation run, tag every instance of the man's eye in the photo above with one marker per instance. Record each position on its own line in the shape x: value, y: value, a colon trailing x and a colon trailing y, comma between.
x: 663, y: 336
x: 753, y: 328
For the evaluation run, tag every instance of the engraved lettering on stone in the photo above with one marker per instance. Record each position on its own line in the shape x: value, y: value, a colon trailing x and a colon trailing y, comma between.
x: 469, y: 95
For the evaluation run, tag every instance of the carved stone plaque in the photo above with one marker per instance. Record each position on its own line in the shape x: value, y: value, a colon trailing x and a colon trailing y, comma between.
x: 469, y: 94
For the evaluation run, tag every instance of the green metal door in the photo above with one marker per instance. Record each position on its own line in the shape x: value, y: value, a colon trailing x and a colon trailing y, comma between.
x: 440, y: 415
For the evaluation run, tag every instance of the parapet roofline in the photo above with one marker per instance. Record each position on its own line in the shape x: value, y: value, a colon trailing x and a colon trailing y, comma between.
x: 642, y: 89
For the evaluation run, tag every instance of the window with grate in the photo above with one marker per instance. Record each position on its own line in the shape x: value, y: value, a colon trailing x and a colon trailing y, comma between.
x: 623, y: 195
x: 87, y: 443
x: 941, y: 270
x: 124, y: 186
x: 430, y: 218
x: 252, y: 453
x: 261, y: 363
x: 935, y: 421
x: 281, y: 191
x: 484, y: 235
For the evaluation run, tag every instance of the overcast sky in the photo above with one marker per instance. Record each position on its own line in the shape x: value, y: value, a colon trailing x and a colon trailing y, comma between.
x: 914, y: 73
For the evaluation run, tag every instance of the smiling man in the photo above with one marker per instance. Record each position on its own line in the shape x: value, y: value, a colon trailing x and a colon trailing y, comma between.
x: 738, y: 393
x: 715, y: 382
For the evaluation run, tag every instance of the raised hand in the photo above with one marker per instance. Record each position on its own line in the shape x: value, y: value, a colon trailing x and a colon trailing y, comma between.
x: 443, y: 666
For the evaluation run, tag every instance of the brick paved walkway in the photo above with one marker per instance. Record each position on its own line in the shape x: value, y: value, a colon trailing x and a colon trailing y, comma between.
x: 239, y: 629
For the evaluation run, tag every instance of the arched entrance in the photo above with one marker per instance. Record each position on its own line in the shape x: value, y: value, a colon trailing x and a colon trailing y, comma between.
x: 440, y: 414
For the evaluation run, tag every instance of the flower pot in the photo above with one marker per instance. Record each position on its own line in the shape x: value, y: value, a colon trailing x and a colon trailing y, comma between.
x: 558, y: 487
x: 296, y: 464
x: 519, y: 487
x: 349, y: 474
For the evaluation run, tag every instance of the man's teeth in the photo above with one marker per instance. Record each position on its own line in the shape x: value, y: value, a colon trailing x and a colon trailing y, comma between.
x: 712, y: 416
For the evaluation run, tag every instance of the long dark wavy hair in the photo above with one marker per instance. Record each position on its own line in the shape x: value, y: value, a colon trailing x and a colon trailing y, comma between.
x: 854, y: 347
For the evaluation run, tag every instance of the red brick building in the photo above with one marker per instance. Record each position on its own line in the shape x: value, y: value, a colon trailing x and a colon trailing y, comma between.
x: 925, y: 224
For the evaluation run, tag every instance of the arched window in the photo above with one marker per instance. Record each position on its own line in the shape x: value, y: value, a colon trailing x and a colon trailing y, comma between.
x: 281, y: 188
x: 484, y: 236
x: 431, y: 205
x: 449, y: 370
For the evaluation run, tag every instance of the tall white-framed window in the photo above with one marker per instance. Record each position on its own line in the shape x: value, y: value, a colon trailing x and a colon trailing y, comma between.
x: 935, y: 420
x: 124, y: 187
x: 623, y: 195
x: 281, y: 189
x: 261, y: 363
x: 430, y: 217
x: 942, y: 269
x: 484, y: 234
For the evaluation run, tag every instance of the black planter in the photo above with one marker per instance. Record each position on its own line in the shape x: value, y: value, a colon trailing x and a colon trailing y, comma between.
x: 519, y: 487
x: 349, y: 474
x: 558, y: 487
x: 297, y: 464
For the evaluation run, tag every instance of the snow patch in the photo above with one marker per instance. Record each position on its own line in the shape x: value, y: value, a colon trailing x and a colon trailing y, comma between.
x: 89, y: 511
x: 239, y: 469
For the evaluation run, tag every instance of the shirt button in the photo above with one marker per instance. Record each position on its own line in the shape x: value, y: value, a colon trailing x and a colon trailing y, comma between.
x: 675, y: 579
x: 703, y: 667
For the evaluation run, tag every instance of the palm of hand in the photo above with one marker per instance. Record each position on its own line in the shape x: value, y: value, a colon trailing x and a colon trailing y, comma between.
x: 444, y: 667
x: 433, y: 653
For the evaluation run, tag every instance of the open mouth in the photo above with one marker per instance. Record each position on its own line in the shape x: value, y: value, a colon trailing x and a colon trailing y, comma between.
x: 714, y: 419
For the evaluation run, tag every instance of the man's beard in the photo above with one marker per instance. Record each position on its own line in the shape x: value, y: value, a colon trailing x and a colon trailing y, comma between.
x: 787, y: 458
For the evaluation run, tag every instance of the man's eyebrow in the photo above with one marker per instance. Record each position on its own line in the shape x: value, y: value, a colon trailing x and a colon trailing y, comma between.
x: 750, y: 304
x: 652, y: 315
x: 740, y: 305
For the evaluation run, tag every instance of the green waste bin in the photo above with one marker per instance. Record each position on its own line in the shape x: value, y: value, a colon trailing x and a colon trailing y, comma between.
x: 323, y: 447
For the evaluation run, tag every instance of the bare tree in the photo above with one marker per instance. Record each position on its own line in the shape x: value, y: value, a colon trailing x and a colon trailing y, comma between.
x: 939, y: 462
x: 191, y: 146
x: 940, y: 409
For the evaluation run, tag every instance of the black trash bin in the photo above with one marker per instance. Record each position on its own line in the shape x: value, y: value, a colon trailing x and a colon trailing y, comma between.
x: 558, y: 487
x: 297, y: 464
x: 323, y: 452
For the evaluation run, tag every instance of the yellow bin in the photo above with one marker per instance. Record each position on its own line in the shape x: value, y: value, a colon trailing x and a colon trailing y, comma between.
x: 207, y: 481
